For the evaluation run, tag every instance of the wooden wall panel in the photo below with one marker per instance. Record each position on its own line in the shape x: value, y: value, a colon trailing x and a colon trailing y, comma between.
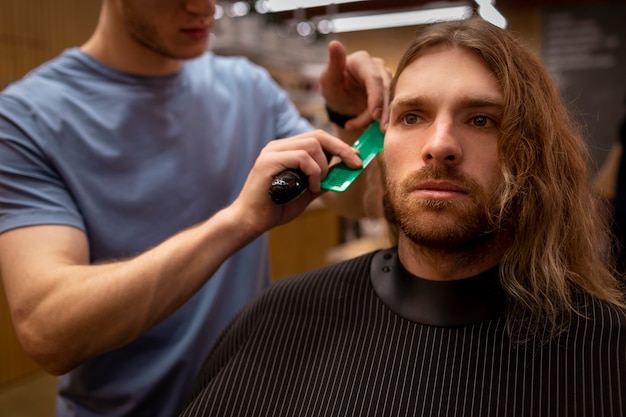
x: 14, y: 362
x: 32, y: 32
x: 303, y: 244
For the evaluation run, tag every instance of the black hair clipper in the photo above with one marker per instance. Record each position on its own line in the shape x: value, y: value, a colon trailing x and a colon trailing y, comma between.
x: 289, y: 184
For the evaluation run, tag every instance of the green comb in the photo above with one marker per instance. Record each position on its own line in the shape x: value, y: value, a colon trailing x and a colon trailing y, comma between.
x: 369, y: 145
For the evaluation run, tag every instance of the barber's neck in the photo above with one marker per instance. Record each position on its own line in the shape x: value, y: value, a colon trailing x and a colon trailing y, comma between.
x: 448, y: 264
x: 112, y: 44
x: 136, y: 60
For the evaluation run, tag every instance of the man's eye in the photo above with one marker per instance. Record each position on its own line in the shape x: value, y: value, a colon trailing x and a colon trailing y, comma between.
x: 410, y: 118
x: 481, y: 121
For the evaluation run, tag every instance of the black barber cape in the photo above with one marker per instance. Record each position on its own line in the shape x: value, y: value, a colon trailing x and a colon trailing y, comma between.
x: 366, y: 338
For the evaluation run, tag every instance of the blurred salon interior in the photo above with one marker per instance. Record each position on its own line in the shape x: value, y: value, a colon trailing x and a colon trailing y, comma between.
x: 582, y: 42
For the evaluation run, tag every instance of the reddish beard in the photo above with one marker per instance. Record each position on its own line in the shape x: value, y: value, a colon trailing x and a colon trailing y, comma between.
x: 441, y: 224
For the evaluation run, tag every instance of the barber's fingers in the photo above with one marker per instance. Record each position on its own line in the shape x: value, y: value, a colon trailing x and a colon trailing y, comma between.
x: 307, y: 153
x: 335, y: 67
x: 311, y: 152
x: 356, y: 84
x: 376, y: 78
x: 341, y: 85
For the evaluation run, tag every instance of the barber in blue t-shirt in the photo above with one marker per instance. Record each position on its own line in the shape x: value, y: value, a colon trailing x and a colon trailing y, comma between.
x: 134, y: 173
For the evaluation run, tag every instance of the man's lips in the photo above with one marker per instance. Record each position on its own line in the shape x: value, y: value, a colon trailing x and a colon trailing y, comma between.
x: 439, y: 190
x: 196, y: 32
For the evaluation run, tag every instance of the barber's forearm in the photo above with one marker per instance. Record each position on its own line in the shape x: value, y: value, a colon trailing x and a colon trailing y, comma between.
x: 97, y: 308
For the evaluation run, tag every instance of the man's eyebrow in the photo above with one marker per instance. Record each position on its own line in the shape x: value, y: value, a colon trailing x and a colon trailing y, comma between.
x: 482, y: 101
x: 408, y: 101
x: 470, y: 101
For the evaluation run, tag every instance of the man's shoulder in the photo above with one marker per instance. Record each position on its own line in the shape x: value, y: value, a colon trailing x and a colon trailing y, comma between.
x: 44, y: 84
x: 48, y: 70
x: 314, y: 288
x: 600, y: 314
x: 347, y: 272
x: 308, y: 296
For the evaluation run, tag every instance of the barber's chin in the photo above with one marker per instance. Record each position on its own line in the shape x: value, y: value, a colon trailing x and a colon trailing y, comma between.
x: 187, y: 48
x: 195, y: 52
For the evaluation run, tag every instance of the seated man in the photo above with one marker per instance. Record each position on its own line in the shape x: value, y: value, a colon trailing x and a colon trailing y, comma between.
x: 498, y: 299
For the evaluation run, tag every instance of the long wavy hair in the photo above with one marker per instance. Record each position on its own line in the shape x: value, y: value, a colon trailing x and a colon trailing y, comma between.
x: 560, y: 238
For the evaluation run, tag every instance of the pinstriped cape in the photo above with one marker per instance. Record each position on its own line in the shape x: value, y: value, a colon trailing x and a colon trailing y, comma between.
x: 323, y: 344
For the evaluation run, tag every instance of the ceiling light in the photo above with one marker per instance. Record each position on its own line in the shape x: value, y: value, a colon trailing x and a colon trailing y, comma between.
x: 282, y: 5
x: 305, y: 28
x: 387, y: 20
x: 488, y: 11
x: 239, y: 9
x: 219, y: 12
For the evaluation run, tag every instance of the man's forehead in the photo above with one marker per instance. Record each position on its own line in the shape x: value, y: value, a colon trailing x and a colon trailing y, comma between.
x: 438, y: 68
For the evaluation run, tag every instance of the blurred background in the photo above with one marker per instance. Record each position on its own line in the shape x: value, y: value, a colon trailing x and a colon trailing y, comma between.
x: 582, y: 42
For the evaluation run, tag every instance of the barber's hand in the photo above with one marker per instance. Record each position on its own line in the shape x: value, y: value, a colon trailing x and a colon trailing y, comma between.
x: 304, y: 152
x: 356, y: 84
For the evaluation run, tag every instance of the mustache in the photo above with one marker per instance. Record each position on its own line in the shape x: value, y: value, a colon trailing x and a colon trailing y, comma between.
x: 438, y: 172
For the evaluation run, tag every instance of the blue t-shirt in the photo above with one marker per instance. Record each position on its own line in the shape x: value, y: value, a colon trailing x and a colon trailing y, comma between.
x: 132, y: 160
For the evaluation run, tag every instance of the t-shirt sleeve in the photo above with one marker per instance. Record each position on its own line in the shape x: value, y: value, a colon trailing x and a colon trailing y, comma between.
x: 31, y: 189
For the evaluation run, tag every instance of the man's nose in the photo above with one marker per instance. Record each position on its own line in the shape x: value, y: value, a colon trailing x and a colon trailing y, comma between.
x: 200, y: 7
x: 441, y: 143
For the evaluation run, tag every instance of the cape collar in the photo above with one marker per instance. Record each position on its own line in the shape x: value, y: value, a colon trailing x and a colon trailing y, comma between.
x: 436, y: 303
